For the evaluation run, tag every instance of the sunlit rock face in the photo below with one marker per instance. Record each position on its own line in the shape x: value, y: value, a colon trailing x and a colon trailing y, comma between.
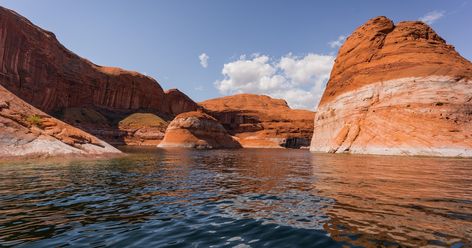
x: 28, y: 132
x: 262, y: 122
x: 197, y: 130
x: 38, y: 69
x: 396, y: 89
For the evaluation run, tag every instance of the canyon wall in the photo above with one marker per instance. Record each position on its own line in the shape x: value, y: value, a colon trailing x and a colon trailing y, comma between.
x: 38, y: 69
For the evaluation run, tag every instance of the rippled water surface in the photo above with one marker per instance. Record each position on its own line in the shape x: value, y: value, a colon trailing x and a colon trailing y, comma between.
x: 242, y: 198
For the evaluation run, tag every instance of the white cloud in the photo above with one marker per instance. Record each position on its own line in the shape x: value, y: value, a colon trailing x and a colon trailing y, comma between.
x: 298, y: 80
x: 204, y: 60
x: 431, y: 17
x: 313, y: 68
x: 338, y: 42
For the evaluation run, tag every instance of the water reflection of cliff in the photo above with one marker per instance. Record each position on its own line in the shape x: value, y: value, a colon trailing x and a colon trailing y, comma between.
x: 382, y: 200
x: 272, y: 185
x: 364, y: 200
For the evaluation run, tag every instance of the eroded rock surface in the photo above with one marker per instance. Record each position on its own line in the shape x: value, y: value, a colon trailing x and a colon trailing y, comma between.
x: 28, y: 132
x: 396, y: 89
x: 197, y: 130
x: 261, y: 121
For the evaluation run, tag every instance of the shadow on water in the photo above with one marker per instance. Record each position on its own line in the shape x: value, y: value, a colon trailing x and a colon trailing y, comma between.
x: 246, y: 198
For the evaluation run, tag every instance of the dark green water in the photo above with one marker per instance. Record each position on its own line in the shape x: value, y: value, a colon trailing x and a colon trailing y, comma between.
x: 237, y: 198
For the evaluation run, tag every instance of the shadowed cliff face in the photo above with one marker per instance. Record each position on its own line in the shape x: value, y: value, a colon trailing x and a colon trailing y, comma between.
x: 38, y: 69
x: 261, y: 121
x: 396, y: 89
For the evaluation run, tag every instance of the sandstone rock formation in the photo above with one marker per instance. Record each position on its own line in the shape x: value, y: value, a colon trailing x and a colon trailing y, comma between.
x: 38, y: 69
x: 27, y: 131
x: 143, y: 129
x: 396, y: 89
x: 197, y: 130
x: 139, y: 129
x: 261, y: 121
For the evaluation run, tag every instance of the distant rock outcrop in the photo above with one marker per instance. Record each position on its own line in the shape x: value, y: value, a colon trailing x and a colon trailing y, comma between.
x: 38, y: 69
x: 261, y: 121
x: 28, y: 132
x: 143, y: 129
x: 197, y: 130
x: 396, y: 89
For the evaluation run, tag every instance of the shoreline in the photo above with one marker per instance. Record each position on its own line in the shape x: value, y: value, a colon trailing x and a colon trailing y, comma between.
x: 61, y: 157
x: 91, y: 157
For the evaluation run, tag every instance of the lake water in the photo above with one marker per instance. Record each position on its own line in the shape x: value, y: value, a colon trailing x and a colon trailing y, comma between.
x: 237, y: 198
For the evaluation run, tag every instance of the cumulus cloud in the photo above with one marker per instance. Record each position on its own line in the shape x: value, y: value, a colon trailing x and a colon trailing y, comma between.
x: 298, y: 80
x: 338, y: 42
x: 432, y: 16
x: 313, y: 68
x: 203, y: 60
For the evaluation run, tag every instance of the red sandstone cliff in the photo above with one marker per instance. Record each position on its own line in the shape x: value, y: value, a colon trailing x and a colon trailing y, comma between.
x: 396, y: 89
x: 261, y: 121
x: 38, y: 69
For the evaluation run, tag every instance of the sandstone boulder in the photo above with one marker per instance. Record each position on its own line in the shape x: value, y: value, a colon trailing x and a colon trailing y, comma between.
x: 197, y: 130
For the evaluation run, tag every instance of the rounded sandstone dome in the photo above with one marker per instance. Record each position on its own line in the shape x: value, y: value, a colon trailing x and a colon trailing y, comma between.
x: 398, y: 90
x: 197, y: 130
x: 379, y: 50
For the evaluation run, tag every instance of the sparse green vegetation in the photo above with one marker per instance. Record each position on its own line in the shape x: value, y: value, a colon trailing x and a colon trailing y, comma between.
x: 34, y: 120
x: 143, y: 119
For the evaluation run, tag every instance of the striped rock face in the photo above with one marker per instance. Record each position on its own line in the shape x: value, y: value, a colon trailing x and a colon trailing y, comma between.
x: 396, y: 90
x: 38, y: 69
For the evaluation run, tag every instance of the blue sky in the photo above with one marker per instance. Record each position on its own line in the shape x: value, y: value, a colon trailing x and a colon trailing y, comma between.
x: 280, y: 48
